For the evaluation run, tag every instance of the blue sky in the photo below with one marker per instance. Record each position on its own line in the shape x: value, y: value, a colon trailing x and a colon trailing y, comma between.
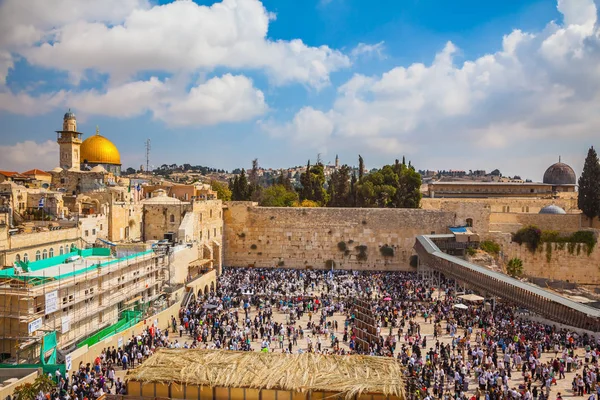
x: 452, y: 85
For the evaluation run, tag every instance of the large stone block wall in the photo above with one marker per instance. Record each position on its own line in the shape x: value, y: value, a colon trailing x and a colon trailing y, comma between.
x: 308, y: 237
x: 511, y: 222
x: 472, y: 213
x: 499, y: 205
x: 162, y: 218
x: 562, y: 265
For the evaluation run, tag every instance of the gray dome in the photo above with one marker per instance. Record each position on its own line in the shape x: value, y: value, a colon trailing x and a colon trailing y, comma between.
x: 552, y: 209
x: 69, y: 115
x: 560, y: 174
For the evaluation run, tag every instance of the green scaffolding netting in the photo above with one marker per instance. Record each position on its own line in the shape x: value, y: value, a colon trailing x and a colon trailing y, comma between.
x: 49, y: 342
x: 47, y: 368
x: 129, y: 319
x: 39, y: 265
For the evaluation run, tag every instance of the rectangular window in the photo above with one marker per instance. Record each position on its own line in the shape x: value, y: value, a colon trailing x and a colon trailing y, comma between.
x: 93, y: 231
x: 87, y: 233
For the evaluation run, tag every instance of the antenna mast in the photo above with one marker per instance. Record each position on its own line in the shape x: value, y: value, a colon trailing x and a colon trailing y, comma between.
x: 148, y: 156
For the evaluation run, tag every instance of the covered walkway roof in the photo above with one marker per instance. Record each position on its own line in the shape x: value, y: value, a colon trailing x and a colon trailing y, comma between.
x: 428, y: 244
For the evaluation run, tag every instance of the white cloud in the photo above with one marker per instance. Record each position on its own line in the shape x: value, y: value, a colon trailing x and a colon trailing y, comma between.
x: 25, y: 155
x: 221, y: 99
x: 309, y: 127
x: 226, y: 99
x: 369, y: 50
x: 543, y: 85
x: 177, y: 37
x: 127, y: 100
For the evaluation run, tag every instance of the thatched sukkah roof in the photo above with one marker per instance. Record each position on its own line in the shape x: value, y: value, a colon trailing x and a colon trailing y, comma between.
x: 347, y: 375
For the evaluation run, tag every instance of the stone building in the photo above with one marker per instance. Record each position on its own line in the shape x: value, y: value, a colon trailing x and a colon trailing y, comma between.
x: 74, y: 294
x: 559, y: 179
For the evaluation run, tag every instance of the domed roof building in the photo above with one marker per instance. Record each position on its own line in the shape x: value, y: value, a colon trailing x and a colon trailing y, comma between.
x: 98, y: 151
x: 552, y: 209
x: 561, y: 176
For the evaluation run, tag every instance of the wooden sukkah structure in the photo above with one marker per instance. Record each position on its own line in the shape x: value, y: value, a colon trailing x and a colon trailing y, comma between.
x: 235, y: 375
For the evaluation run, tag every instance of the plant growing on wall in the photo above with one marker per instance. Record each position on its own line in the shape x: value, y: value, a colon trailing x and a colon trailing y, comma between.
x: 281, y: 263
x: 242, y: 235
x: 362, y: 253
x: 490, y: 247
x: 530, y: 235
x: 470, y: 251
x: 253, y: 247
x: 548, y: 251
x: 342, y: 246
x: 514, y: 267
x: 386, y: 251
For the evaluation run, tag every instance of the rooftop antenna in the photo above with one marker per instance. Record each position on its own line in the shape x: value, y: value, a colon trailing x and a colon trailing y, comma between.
x: 148, y: 156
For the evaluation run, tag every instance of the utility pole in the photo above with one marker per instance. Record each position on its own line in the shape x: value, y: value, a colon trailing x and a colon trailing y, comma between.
x: 147, y: 156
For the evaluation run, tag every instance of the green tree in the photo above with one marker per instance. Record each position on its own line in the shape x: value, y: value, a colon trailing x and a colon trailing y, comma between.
x: 306, y: 203
x: 339, y: 188
x: 43, y: 383
x: 223, y: 192
x: 29, y: 391
x: 240, y: 189
x: 313, y: 181
x: 278, y: 196
x: 514, y: 267
x: 26, y: 391
x: 396, y: 186
x: 588, y: 199
x: 361, y: 168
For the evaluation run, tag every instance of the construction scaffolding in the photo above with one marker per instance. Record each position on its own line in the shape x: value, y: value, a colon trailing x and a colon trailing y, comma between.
x: 73, y: 296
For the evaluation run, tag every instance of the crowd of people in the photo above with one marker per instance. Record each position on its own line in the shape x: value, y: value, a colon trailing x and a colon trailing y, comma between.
x: 449, y: 352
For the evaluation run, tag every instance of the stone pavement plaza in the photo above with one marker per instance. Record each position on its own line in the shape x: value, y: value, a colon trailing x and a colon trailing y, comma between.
x: 563, y: 385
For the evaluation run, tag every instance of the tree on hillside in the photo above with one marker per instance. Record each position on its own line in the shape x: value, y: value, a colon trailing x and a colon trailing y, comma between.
x: 395, y: 186
x: 361, y: 168
x: 588, y: 200
x: 278, y: 196
x: 339, y: 188
x: 223, y: 192
x: 312, y: 184
x: 240, y: 189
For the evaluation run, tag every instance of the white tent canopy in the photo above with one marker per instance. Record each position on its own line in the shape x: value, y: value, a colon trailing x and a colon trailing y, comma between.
x: 471, y: 297
x: 460, y: 306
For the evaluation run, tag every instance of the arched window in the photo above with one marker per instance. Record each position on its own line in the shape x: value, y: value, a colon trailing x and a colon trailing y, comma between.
x: 172, y: 218
x: 25, y: 258
x: 17, y: 258
x: 470, y: 222
x: 38, y: 256
x: 61, y: 251
x: 51, y: 252
x: 45, y: 254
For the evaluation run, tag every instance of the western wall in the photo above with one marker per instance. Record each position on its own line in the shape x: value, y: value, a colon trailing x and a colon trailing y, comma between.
x: 310, y: 237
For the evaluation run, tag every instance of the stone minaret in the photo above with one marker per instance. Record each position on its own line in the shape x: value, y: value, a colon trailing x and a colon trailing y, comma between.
x: 69, y: 141
x: 337, y: 161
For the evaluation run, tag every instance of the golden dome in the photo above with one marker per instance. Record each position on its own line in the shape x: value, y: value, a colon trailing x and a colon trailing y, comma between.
x: 99, y: 150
